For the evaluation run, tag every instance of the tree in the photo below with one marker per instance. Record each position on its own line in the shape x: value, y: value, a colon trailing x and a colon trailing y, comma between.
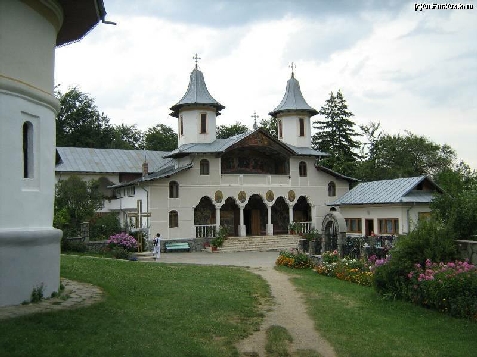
x: 79, y: 122
x: 226, y: 131
x: 335, y: 135
x: 76, y: 201
x: 161, y: 138
x: 407, y: 155
x: 270, y: 126
x: 127, y: 137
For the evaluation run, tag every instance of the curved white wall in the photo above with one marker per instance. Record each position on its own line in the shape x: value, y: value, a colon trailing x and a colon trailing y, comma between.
x: 191, y: 126
x: 291, y: 129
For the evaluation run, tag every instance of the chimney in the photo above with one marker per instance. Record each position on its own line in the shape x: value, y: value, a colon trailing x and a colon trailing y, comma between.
x: 145, y: 168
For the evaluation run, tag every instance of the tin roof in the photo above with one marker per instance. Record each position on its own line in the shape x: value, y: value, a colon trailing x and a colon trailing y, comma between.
x: 196, y: 94
x: 79, y: 18
x: 389, y: 191
x: 293, y: 100
x: 335, y: 174
x: 73, y: 159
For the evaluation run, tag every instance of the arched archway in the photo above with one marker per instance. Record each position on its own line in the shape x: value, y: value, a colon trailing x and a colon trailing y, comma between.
x: 230, y: 216
x: 255, y: 216
x: 302, y: 210
x: 333, y: 232
x: 280, y: 216
x: 204, y: 212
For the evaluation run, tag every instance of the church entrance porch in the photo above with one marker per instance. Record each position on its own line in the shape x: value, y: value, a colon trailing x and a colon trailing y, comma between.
x: 255, y: 216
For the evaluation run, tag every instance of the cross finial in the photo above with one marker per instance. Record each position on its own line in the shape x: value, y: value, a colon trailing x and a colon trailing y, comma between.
x: 196, y: 58
x: 292, y: 66
x: 255, y: 117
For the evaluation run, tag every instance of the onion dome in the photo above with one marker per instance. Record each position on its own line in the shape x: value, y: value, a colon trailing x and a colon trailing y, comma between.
x: 197, y: 94
x: 293, y: 100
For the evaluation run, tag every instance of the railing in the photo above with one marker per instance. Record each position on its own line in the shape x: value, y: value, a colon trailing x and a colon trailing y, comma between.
x: 205, y: 231
x: 357, y: 247
x: 303, y: 227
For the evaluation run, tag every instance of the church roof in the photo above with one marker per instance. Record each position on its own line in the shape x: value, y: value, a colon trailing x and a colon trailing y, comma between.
x: 293, y: 100
x: 335, y: 174
x: 73, y: 159
x: 196, y: 94
x: 221, y: 145
x: 80, y: 17
x: 401, y: 190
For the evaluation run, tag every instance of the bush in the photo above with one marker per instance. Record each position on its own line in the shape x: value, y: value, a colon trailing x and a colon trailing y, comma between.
x: 73, y: 246
x: 352, y: 270
x: 293, y: 259
x: 119, y: 253
x: 124, y: 241
x: 449, y: 288
x: 104, y: 226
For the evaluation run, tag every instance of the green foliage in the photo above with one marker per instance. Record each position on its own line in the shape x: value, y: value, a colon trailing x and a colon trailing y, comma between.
x: 37, y: 294
x: 73, y: 246
x: 160, y: 138
x: 278, y: 340
x: 336, y: 135
x: 270, y: 125
x: 79, y: 122
x: 119, y: 253
x: 220, y: 238
x: 76, y: 201
x: 127, y: 137
x: 294, y: 259
x: 226, y: 131
x: 103, y: 226
x: 428, y: 241
x: 408, y: 155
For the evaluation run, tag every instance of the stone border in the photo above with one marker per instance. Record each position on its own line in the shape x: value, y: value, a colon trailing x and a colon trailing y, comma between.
x: 78, y: 295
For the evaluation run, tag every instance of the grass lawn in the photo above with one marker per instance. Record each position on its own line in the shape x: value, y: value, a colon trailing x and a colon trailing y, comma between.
x: 358, y: 322
x: 149, y: 310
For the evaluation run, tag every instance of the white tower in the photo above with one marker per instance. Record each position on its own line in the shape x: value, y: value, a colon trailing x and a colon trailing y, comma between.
x: 196, y: 112
x: 29, y: 245
x: 293, y: 114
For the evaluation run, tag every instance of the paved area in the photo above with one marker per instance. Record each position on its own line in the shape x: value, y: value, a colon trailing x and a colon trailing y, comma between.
x: 243, y: 259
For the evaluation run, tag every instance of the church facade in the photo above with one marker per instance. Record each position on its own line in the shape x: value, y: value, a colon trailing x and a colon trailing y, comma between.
x: 253, y: 184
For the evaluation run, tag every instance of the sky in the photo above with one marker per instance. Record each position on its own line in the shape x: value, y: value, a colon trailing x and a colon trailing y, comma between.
x: 408, y: 70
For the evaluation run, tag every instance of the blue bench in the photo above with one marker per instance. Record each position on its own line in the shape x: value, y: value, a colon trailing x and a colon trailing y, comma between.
x: 172, y: 246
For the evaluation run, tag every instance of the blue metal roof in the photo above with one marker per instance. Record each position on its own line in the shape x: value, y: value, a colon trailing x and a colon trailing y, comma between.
x: 73, y: 159
x: 388, y: 191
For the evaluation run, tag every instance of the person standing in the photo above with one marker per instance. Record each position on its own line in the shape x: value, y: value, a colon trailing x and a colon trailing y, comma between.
x: 157, y: 246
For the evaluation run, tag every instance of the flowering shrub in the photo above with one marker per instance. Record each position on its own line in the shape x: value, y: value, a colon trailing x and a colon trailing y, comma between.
x: 352, y: 270
x: 294, y: 259
x: 124, y: 241
x: 449, y: 288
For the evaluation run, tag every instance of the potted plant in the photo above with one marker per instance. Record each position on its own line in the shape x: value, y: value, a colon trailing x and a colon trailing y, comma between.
x: 220, y: 238
x: 293, y: 227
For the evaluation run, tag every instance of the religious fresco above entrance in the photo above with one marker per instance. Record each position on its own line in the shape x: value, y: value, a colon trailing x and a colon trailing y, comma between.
x: 219, y: 196
x: 242, y: 196
x: 291, y: 196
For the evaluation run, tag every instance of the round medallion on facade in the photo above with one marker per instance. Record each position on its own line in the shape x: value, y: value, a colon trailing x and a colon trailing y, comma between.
x: 291, y: 196
x: 242, y: 196
x: 219, y: 196
x: 270, y: 195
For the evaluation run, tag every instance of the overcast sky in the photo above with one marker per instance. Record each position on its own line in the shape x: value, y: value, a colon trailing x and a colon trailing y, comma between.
x: 410, y: 70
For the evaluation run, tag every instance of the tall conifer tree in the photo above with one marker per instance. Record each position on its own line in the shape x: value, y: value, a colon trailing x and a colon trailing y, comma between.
x: 336, y: 135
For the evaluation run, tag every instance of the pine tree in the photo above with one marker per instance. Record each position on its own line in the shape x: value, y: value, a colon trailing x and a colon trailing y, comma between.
x: 336, y: 135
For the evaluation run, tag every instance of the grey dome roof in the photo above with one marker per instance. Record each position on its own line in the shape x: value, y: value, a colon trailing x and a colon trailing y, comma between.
x: 196, y: 94
x: 293, y: 100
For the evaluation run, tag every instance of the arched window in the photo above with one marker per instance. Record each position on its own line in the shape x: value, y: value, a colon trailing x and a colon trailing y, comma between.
x: 302, y: 126
x: 28, y: 150
x: 331, y: 189
x: 203, y: 123
x: 173, y: 189
x: 302, y: 168
x: 280, y: 129
x: 173, y: 219
x: 181, y: 125
x: 204, y: 167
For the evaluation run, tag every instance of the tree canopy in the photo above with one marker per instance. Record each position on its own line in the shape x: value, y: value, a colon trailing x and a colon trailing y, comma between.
x: 161, y: 138
x: 270, y: 125
x: 226, y: 131
x: 336, y: 135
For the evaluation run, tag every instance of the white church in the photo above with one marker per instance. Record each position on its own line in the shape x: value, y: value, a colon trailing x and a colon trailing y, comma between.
x: 252, y: 183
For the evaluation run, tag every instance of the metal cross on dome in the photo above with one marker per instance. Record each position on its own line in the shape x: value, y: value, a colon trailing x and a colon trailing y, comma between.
x: 292, y: 66
x: 196, y: 58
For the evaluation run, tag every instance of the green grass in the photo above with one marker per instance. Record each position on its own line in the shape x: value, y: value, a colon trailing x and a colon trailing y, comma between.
x: 278, y: 341
x: 358, y: 322
x: 149, y: 310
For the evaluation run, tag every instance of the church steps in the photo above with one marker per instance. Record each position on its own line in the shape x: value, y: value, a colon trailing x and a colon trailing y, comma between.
x: 260, y: 243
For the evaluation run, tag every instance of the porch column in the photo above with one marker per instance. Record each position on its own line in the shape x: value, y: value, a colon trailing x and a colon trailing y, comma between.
x: 217, y: 217
x: 269, y: 224
x: 290, y: 213
x: 313, y: 217
x: 242, y: 230
x: 194, y: 230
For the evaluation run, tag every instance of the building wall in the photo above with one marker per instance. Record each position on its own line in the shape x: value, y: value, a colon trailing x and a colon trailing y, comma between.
x: 193, y: 186
x: 291, y: 130
x: 191, y: 126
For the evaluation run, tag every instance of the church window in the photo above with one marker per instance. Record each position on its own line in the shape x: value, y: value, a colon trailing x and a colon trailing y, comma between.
x: 181, y: 126
x: 280, y: 129
x: 388, y: 226
x: 302, y: 168
x: 302, y: 126
x: 173, y: 219
x: 173, y: 189
x: 353, y: 225
x: 203, y: 123
x: 204, y: 167
x: 331, y: 189
x: 28, y: 150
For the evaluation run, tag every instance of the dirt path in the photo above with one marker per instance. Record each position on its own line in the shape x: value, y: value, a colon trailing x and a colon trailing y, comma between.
x: 289, y: 312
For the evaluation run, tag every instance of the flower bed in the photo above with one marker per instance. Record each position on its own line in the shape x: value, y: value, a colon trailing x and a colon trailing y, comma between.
x: 294, y: 259
x: 447, y: 287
